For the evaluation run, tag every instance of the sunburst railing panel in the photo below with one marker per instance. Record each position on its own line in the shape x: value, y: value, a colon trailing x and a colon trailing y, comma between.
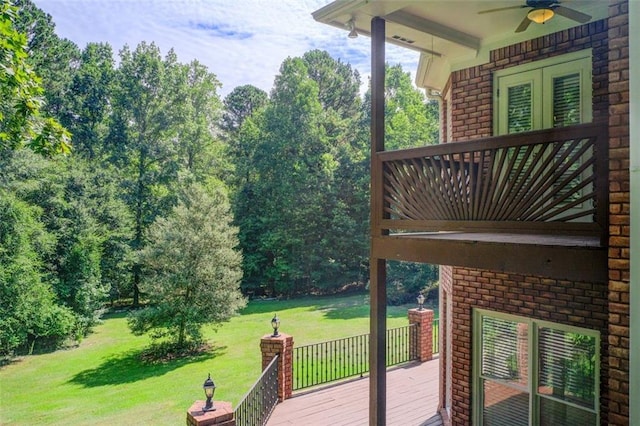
x: 547, y: 177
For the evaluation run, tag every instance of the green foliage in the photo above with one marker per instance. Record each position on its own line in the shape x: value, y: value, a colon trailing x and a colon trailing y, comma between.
x: 408, y: 279
x: 21, y: 102
x: 109, y: 364
x: 88, y: 227
x: 90, y: 94
x: 28, y: 310
x: 296, y: 164
x: 302, y: 224
x: 240, y: 104
x: 192, y: 269
x: 410, y: 120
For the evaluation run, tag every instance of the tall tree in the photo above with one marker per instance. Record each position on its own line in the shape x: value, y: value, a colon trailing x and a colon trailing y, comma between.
x: 143, y: 139
x: 410, y: 119
x: 200, y: 148
x: 192, y: 269
x: 22, y: 121
x: 91, y: 93
x: 290, y: 215
x: 51, y: 57
x: 240, y: 104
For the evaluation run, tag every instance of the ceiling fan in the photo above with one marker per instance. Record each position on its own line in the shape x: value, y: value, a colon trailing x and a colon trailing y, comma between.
x: 540, y: 11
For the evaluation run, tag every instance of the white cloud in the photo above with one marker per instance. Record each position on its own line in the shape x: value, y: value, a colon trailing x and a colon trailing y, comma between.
x: 241, y: 41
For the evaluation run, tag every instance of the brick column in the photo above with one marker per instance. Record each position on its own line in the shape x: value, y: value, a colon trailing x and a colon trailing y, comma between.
x: 282, y: 345
x: 221, y: 416
x: 424, y: 320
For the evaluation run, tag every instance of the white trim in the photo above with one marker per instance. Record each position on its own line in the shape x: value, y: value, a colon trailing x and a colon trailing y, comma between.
x: 538, y: 93
x: 533, y: 326
x: 634, y: 141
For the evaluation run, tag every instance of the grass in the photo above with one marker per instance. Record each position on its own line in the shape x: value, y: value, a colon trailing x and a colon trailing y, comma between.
x: 104, y: 382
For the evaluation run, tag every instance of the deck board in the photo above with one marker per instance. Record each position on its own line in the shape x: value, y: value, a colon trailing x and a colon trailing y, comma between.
x: 412, y: 399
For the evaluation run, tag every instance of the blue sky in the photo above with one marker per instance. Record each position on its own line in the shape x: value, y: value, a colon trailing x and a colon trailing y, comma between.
x: 240, y: 41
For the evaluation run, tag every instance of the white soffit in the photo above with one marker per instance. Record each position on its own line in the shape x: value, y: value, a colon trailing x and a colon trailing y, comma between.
x: 449, y: 34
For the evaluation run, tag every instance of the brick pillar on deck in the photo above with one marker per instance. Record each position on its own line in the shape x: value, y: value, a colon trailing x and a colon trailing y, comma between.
x: 424, y: 321
x: 281, y: 345
x: 221, y: 416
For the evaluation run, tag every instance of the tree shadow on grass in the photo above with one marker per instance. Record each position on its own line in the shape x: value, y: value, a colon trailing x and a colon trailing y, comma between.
x: 130, y: 367
x: 353, y: 308
x: 340, y: 307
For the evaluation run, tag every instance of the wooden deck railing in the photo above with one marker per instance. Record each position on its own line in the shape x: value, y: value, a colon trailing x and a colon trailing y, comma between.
x: 549, y: 181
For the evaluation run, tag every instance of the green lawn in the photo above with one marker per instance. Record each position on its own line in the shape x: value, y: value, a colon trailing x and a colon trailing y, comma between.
x: 103, y: 381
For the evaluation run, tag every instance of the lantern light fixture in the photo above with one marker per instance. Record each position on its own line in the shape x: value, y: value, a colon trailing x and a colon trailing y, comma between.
x: 420, y: 302
x: 209, y: 389
x: 275, y: 324
x: 352, y: 28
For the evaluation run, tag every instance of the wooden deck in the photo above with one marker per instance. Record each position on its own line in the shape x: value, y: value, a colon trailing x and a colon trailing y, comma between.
x: 412, y: 399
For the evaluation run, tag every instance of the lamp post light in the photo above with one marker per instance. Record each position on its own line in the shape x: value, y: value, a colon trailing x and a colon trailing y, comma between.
x: 420, y: 302
x: 275, y: 324
x: 209, y: 389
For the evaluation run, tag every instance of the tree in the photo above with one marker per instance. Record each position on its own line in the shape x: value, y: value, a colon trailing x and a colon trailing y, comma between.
x: 410, y: 119
x: 200, y: 149
x: 143, y: 140
x: 240, y: 104
x: 299, y: 232
x: 21, y: 96
x: 192, y: 269
x: 88, y: 225
x: 28, y: 310
x: 91, y: 95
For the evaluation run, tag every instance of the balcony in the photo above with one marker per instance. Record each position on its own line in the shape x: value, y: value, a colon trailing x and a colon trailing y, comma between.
x: 530, y: 203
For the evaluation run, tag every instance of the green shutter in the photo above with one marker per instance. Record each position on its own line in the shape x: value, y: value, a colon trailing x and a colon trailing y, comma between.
x: 519, y: 108
x: 566, y: 100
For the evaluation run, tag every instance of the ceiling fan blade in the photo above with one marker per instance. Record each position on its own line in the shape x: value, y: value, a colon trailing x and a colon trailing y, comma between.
x: 523, y: 25
x: 572, y: 14
x: 500, y: 8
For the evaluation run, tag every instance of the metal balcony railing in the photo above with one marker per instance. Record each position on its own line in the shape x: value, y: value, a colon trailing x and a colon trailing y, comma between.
x: 258, y: 404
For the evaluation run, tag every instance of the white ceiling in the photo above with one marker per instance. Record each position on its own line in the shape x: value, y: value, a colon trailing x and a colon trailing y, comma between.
x: 450, y: 34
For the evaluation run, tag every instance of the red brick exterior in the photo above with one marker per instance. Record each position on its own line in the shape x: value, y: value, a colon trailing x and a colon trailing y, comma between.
x: 424, y: 321
x: 472, y: 88
x: 445, y: 325
x: 221, y: 416
x: 619, y: 219
x: 282, y: 345
x: 600, y: 306
x: 571, y: 303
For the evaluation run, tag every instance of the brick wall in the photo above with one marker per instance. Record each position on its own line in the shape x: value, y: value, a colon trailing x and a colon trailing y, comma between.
x: 619, y: 219
x: 445, y: 324
x: 599, y: 306
x: 472, y: 88
x: 579, y: 304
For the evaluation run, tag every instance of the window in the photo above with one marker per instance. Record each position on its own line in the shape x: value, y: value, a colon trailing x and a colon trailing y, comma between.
x: 544, y: 94
x: 555, y: 92
x: 529, y: 372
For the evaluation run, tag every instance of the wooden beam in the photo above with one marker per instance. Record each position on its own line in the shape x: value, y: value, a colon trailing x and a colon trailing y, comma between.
x: 561, y: 262
x: 377, y: 266
x: 378, y: 342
